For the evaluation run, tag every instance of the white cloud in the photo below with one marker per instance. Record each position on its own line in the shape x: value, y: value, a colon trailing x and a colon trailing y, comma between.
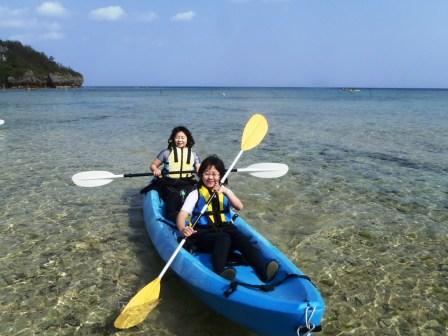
x: 41, y: 34
x: 184, y: 16
x: 52, y: 31
x: 52, y: 35
x: 53, y: 26
x: 5, y: 12
x: 52, y: 8
x: 111, y: 13
x: 16, y: 19
x: 12, y: 23
x: 26, y: 28
x: 147, y: 17
x: 13, y: 18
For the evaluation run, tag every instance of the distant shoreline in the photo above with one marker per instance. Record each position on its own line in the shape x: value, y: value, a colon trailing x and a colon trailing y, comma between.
x: 344, y: 89
x: 256, y: 87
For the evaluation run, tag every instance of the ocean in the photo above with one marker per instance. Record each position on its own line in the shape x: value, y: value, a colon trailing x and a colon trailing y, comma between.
x: 363, y: 210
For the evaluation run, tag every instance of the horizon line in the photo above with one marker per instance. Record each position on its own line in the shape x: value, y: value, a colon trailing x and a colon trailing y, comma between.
x: 263, y: 87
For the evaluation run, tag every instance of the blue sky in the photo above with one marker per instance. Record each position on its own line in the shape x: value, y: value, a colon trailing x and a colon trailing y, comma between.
x: 304, y: 43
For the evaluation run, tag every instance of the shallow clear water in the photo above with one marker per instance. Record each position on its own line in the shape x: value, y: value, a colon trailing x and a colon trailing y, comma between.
x: 363, y: 210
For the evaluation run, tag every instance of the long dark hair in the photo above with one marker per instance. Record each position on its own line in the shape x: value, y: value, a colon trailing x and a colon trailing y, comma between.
x: 212, y: 161
x: 190, y: 140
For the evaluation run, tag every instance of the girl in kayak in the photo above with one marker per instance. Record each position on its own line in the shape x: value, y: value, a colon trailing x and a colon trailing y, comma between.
x: 174, y: 169
x: 215, y: 232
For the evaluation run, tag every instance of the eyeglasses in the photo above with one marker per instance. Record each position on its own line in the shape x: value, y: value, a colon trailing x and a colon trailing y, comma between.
x: 211, y: 174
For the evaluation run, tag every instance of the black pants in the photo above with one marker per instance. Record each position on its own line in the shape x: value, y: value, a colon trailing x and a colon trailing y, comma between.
x: 173, y: 192
x: 222, y: 241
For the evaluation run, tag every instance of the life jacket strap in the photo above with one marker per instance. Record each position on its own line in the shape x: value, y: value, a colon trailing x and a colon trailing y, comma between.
x: 176, y: 157
x: 189, y: 155
x: 214, y: 212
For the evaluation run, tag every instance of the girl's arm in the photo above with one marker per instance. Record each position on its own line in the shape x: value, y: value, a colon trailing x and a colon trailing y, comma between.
x: 185, y: 211
x: 186, y: 230
x: 235, y: 202
x: 197, y: 162
x: 154, y: 167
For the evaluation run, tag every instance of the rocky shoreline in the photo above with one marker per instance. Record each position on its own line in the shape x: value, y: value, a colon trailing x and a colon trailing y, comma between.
x: 53, y: 80
x: 21, y: 67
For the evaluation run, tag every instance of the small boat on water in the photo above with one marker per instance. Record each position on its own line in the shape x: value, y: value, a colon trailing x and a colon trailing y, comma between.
x: 351, y: 90
x: 289, y: 305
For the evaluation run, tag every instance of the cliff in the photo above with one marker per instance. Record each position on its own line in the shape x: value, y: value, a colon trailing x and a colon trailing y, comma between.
x: 23, y: 67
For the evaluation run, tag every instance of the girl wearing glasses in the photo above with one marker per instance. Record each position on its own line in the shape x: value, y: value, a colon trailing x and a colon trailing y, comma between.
x: 215, y: 231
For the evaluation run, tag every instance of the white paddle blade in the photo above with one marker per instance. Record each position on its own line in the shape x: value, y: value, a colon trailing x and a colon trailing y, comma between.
x: 93, y: 178
x: 266, y: 170
x: 2, y: 122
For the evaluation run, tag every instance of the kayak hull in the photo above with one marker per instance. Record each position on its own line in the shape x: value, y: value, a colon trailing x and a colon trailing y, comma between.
x: 294, y: 303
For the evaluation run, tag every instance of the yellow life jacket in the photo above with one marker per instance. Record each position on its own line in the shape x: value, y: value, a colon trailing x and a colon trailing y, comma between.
x: 180, y: 159
x: 218, y: 211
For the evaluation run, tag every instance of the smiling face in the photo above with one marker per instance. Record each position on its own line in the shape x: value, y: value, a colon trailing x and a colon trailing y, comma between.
x: 180, y: 139
x: 210, y: 177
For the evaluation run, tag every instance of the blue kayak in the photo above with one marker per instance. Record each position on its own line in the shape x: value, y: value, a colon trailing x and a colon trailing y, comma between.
x: 289, y: 305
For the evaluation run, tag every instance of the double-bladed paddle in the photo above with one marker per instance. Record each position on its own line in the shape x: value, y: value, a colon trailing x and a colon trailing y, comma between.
x: 147, y: 298
x: 96, y: 178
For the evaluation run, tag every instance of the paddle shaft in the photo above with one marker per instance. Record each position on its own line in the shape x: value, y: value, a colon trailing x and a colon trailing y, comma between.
x: 152, y: 174
x: 234, y: 170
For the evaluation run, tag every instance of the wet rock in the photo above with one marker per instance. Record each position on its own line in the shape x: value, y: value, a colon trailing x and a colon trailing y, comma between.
x: 55, y: 80
x: 28, y: 79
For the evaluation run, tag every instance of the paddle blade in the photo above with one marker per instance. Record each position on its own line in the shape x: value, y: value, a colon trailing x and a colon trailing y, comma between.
x: 266, y: 169
x: 93, y: 178
x: 2, y: 121
x: 140, y: 306
x: 254, y: 131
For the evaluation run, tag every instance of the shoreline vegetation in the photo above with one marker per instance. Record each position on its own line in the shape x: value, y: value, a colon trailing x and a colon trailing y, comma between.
x: 22, y: 67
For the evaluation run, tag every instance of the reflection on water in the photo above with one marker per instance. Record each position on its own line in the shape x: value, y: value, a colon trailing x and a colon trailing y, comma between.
x: 363, y: 210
